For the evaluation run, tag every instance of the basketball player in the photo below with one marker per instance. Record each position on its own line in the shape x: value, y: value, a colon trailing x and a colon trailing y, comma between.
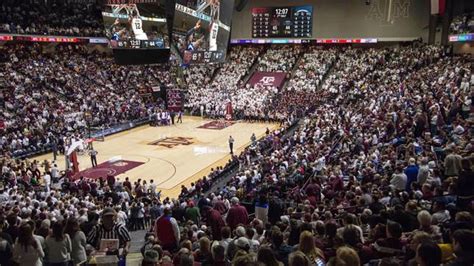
x: 137, y: 25
x: 116, y: 32
x: 214, y: 26
x: 191, y: 44
x: 213, y: 29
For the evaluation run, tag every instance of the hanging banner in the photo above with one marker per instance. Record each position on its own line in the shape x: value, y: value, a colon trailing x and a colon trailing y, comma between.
x: 229, y: 112
x: 174, y: 100
x: 275, y: 79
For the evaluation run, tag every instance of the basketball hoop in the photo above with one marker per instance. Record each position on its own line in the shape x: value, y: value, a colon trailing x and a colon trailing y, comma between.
x: 129, y: 8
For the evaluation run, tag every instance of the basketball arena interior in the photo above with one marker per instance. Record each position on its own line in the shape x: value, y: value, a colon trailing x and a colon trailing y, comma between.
x: 236, y: 132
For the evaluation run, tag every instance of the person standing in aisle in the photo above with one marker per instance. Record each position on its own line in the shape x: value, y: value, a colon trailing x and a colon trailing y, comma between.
x: 93, y: 154
x: 180, y: 117
x: 172, y: 115
x: 231, y: 144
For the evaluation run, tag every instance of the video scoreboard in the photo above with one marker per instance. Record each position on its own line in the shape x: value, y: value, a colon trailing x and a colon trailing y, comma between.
x: 282, y: 22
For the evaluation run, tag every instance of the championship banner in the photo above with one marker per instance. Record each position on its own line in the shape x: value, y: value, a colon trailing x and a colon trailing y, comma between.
x: 275, y: 79
x: 174, y: 100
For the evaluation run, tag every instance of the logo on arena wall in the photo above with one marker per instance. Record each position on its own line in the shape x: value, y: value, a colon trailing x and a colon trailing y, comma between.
x: 389, y: 11
x: 275, y: 79
x: 171, y: 142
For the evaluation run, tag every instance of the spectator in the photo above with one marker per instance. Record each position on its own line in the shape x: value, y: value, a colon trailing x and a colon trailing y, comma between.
x: 215, y: 221
x: 465, y: 185
x: 423, y: 171
x: 399, y: 179
x: 167, y: 231
x: 218, y: 256
x: 266, y: 257
x: 78, y: 241
x: 237, y: 214
x: 463, y: 243
x: 5, y: 247
x: 192, y: 213
x: 27, y: 250
x: 308, y: 247
x: 428, y: 253
x: 452, y: 163
x: 425, y: 218
x: 203, y: 255
x: 261, y: 209
x: 299, y: 258
x: 411, y: 171
x: 346, y: 256
x: 58, y: 246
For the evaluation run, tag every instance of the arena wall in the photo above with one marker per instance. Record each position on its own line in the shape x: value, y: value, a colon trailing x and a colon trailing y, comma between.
x: 350, y: 18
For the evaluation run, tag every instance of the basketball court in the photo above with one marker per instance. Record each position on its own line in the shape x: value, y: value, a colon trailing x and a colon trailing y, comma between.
x: 170, y: 155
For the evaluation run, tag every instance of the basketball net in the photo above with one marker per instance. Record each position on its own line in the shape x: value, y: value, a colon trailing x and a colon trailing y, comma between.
x: 116, y: 9
x: 214, y: 26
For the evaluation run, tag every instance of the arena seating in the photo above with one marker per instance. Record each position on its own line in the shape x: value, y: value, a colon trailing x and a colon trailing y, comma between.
x: 227, y: 85
x: 51, y: 17
x: 462, y: 24
x: 48, y: 96
x: 279, y: 58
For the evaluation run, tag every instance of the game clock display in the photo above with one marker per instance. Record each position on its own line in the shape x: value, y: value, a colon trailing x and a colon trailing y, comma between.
x: 140, y: 44
x: 282, y: 22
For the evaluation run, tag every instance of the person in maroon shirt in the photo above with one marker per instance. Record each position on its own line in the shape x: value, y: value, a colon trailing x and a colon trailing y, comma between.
x: 167, y: 231
x: 237, y: 214
x: 127, y: 184
x: 215, y: 221
x: 392, y: 245
x: 220, y: 206
x: 111, y: 180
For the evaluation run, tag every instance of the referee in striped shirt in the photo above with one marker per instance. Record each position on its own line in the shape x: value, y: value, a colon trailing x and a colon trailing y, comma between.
x: 109, y: 229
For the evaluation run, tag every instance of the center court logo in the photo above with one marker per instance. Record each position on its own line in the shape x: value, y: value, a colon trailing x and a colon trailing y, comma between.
x: 121, y: 163
x: 171, y: 142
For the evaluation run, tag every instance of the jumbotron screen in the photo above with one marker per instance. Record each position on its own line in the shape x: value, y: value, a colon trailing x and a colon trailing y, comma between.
x: 201, y: 33
x: 282, y: 22
x: 137, y: 30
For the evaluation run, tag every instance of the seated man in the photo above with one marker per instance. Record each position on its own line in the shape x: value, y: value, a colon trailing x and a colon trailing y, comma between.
x: 392, y: 245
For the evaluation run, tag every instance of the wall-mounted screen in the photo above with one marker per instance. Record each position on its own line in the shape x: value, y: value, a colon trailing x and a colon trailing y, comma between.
x: 282, y: 22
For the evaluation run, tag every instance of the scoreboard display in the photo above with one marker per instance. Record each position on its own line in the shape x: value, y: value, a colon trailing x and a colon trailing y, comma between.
x: 282, y: 22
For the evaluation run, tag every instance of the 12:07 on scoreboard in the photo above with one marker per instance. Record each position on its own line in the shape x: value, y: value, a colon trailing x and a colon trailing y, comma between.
x: 282, y: 22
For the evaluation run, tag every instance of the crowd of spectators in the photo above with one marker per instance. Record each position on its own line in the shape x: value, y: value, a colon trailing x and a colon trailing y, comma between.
x: 209, y: 96
x: 279, y: 58
x: 379, y: 171
x: 300, y: 91
x: 52, y: 17
x: 47, y: 97
x: 462, y: 24
x: 315, y: 63
x: 364, y: 178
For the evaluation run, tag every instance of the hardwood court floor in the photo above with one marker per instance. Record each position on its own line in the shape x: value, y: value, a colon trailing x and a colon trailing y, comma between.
x: 172, y: 155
